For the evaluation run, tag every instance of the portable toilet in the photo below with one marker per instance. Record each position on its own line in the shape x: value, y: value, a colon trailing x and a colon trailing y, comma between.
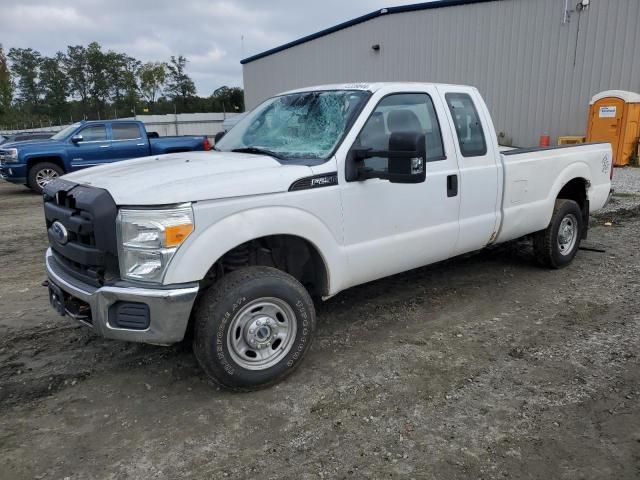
x: 614, y: 117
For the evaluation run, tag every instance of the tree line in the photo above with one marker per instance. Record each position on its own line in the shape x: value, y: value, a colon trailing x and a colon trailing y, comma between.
x: 88, y: 82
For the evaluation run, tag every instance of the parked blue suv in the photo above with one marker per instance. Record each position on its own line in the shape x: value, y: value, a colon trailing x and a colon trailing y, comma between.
x: 85, y: 144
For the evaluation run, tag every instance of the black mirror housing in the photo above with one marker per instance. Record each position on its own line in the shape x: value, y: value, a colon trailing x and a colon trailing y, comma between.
x: 407, y: 157
x: 407, y: 160
x: 218, y: 137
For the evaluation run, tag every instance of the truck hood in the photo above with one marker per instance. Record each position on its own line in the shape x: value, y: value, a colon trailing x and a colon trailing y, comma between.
x: 27, y: 144
x: 190, y: 177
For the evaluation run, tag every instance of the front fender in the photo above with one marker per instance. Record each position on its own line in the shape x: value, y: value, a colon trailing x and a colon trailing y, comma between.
x: 31, y: 157
x: 203, y: 248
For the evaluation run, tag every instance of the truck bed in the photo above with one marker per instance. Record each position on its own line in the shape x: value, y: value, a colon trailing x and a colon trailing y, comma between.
x: 533, y: 176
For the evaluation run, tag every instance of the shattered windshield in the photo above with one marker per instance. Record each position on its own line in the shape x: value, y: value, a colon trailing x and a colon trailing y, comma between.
x: 299, y: 125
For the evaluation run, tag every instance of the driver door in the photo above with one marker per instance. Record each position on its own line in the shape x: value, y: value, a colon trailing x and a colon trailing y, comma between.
x: 392, y: 227
x: 93, y: 149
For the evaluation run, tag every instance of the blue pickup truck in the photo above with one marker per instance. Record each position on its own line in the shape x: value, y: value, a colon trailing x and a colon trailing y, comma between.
x: 85, y: 144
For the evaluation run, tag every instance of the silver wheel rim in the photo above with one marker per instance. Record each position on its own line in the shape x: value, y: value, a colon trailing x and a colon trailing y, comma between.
x: 262, y: 333
x: 567, y: 234
x: 45, y: 176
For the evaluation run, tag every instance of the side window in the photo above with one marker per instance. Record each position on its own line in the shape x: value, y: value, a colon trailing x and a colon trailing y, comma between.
x: 467, y: 123
x: 94, y: 133
x: 125, y: 131
x: 401, y: 112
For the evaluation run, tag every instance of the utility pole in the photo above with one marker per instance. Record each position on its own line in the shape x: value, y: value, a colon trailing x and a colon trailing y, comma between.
x: 175, y: 114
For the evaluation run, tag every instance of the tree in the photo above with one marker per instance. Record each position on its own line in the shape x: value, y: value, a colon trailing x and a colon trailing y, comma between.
x: 228, y: 99
x: 153, y: 76
x: 25, y: 63
x: 98, y: 79
x: 86, y: 81
x: 114, y: 66
x: 121, y: 71
x: 130, y: 87
x: 55, y: 85
x: 180, y: 87
x: 6, y: 85
x: 75, y: 65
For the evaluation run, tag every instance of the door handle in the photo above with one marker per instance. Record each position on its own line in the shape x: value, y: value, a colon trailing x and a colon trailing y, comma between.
x: 452, y: 185
x: 105, y: 146
x: 140, y: 144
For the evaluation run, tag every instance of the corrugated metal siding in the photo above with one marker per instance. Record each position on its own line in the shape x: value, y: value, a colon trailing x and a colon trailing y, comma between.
x: 536, y: 73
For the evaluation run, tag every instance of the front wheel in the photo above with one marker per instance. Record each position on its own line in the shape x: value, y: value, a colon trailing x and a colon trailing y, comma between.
x: 41, y: 174
x: 556, y: 246
x: 253, y: 328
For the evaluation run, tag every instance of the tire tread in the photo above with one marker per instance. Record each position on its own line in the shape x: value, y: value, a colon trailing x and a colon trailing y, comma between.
x: 220, y: 291
x: 544, y: 241
x: 31, y: 174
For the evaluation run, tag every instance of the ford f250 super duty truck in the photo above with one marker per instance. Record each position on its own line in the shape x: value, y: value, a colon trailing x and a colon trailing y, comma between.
x: 314, y: 191
x: 86, y: 144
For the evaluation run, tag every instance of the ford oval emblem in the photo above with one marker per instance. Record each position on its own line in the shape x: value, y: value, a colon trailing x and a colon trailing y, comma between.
x: 60, y: 233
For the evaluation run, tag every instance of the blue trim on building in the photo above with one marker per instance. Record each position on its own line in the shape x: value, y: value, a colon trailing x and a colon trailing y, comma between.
x: 362, y: 19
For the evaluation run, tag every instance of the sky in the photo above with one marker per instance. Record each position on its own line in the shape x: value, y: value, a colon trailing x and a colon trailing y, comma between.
x: 213, y: 35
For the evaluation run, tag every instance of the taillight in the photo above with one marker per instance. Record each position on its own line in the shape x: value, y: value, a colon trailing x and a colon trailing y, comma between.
x: 206, y: 145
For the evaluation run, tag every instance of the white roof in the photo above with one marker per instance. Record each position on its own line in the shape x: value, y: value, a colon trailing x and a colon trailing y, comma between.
x: 628, y: 97
x: 370, y: 86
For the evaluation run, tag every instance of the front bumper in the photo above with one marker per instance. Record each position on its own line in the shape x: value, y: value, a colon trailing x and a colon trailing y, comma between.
x: 13, y: 172
x: 169, y: 309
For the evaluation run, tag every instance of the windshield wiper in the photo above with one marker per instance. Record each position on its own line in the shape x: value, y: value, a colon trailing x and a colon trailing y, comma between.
x: 259, y: 151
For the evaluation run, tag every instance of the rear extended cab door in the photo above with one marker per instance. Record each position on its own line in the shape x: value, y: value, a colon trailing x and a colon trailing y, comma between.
x: 480, y: 182
x: 128, y: 140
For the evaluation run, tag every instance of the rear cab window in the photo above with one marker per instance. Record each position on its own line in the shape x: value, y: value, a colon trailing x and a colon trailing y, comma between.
x: 125, y: 131
x: 467, y: 123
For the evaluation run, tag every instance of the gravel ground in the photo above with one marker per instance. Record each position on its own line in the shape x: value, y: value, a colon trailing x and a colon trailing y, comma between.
x: 626, y: 184
x: 626, y: 180
x: 484, y: 366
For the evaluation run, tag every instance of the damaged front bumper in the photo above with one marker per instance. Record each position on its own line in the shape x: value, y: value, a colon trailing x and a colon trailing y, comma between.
x: 123, y: 312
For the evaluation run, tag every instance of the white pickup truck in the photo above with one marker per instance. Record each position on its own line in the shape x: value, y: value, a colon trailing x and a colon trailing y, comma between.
x: 314, y: 191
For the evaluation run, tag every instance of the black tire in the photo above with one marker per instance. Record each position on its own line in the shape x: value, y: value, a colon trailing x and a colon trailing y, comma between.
x: 229, y: 302
x: 32, y: 179
x: 547, y: 248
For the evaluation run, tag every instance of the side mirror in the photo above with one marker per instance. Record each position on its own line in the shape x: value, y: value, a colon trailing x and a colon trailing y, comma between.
x: 218, y: 137
x: 76, y: 138
x: 406, y: 159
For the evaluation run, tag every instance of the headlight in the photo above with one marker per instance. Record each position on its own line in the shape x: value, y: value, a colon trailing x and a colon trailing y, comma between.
x: 9, y: 155
x: 148, y: 239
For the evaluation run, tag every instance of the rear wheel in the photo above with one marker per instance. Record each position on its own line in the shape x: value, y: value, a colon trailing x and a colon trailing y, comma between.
x: 557, y: 245
x: 253, y: 328
x: 41, y: 174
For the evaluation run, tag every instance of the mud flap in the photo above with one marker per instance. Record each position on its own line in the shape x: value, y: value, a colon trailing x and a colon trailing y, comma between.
x: 585, y: 219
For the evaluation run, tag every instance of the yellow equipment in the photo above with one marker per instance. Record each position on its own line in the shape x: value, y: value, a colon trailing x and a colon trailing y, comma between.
x: 571, y: 139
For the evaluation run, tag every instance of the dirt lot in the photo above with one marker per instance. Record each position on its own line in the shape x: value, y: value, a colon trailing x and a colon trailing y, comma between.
x: 481, y: 367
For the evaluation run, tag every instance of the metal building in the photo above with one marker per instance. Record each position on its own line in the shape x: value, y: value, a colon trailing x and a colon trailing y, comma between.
x: 537, y: 62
